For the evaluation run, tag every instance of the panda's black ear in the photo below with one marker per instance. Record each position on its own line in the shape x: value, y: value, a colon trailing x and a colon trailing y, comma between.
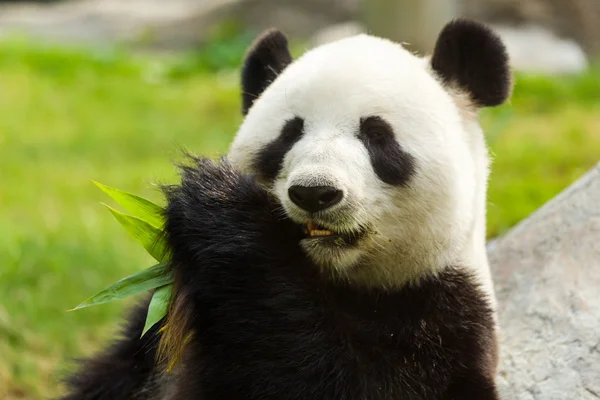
x: 469, y: 55
x: 266, y: 58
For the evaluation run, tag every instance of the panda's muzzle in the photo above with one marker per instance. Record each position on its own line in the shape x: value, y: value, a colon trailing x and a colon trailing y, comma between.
x: 315, y: 231
x: 317, y: 201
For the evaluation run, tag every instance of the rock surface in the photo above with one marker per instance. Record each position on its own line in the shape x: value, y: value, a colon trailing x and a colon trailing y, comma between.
x: 577, y: 20
x: 536, y: 49
x: 547, y: 280
x: 171, y: 24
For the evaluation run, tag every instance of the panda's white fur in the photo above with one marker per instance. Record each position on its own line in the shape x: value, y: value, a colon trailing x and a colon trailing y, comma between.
x: 438, y: 219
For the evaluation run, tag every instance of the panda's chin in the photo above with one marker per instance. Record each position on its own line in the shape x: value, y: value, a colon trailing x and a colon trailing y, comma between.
x: 331, y: 249
x: 331, y: 255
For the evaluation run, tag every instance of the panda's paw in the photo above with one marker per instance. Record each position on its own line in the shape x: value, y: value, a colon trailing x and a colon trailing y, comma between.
x: 207, y: 179
x: 211, y: 185
x: 215, y: 204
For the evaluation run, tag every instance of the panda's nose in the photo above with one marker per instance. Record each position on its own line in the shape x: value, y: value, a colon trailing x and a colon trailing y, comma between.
x: 315, y: 198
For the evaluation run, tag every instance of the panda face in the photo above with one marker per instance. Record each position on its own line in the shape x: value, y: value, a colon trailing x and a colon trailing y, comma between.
x: 366, y: 148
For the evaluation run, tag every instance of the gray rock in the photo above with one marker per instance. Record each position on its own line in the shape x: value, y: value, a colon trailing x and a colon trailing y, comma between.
x: 173, y: 24
x: 577, y: 20
x: 547, y: 279
x: 159, y: 24
x: 536, y: 49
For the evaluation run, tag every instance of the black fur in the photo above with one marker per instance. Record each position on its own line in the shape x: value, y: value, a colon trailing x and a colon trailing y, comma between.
x: 124, y: 370
x: 269, y: 160
x: 391, y: 163
x: 470, y: 55
x: 267, y: 57
x: 268, y: 325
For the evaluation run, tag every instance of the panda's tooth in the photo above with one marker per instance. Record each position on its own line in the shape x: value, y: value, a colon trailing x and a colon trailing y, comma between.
x: 320, y: 233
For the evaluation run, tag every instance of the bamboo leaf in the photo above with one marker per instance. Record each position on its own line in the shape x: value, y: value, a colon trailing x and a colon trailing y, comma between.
x: 158, y: 307
x: 149, y: 236
x: 143, y: 209
x: 148, y: 279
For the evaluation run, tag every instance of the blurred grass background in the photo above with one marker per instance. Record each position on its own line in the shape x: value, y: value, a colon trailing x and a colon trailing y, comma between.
x: 68, y: 116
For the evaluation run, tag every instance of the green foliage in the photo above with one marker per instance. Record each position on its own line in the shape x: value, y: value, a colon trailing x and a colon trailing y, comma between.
x: 151, y: 278
x: 67, y: 116
x: 145, y: 229
x: 147, y: 235
x: 140, y: 207
x: 158, y: 306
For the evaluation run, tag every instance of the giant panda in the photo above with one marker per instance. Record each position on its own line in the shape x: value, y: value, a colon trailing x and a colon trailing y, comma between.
x: 338, y: 250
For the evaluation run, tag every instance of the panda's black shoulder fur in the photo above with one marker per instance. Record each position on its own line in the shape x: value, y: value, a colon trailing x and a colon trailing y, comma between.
x: 267, y: 325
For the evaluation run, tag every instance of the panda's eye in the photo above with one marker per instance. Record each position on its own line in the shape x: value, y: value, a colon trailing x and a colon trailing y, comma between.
x: 375, y: 129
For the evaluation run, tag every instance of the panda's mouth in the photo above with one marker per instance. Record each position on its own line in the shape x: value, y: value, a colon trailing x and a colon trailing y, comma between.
x: 316, y: 231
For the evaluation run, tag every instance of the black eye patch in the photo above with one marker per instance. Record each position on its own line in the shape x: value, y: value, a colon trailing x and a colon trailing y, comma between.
x: 269, y: 160
x: 391, y: 163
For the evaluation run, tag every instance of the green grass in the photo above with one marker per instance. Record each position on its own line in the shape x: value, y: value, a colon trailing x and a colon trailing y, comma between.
x: 546, y: 138
x: 68, y: 117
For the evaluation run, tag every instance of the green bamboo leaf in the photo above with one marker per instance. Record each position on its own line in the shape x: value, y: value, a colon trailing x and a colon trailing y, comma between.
x: 149, y: 236
x: 148, y: 279
x: 158, y: 306
x: 138, y: 206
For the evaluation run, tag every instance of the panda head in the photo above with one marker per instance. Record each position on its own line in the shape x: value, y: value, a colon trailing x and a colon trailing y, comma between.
x: 376, y: 152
